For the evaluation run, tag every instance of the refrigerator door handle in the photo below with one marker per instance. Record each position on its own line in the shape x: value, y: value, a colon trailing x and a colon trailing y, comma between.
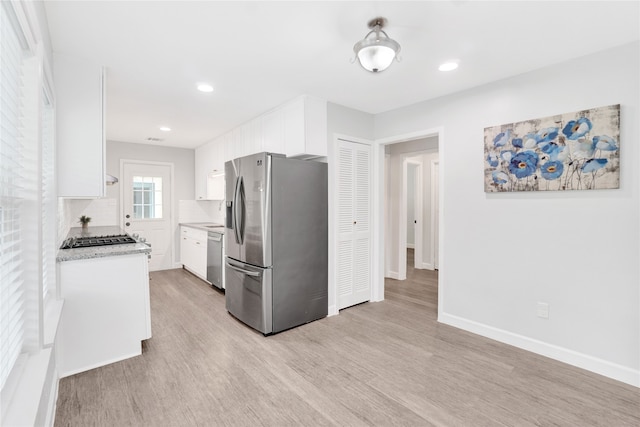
x: 236, y: 199
x: 242, y: 270
x: 243, y: 208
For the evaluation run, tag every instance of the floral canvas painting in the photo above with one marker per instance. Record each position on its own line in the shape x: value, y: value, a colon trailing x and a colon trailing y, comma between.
x: 573, y: 151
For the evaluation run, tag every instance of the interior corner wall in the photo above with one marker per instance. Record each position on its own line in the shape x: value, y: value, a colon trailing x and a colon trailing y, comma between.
x: 577, y: 251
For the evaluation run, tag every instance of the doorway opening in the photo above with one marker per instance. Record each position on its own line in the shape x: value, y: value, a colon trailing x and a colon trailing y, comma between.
x: 410, y: 208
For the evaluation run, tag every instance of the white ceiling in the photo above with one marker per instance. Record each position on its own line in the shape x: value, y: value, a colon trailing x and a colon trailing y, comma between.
x: 260, y: 54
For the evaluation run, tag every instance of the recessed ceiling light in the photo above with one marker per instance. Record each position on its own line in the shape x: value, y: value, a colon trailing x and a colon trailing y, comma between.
x: 165, y: 129
x: 448, y: 66
x: 203, y: 87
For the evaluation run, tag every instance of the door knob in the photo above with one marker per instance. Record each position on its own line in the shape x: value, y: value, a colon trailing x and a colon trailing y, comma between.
x: 128, y: 216
x: 127, y: 224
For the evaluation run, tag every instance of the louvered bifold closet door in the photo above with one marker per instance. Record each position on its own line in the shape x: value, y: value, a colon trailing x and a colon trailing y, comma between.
x: 353, y: 271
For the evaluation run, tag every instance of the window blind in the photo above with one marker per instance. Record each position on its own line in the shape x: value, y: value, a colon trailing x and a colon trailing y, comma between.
x: 11, y: 178
x: 48, y: 200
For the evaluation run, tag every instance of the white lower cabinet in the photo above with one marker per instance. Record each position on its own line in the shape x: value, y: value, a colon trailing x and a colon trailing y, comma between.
x: 193, y: 250
x: 106, y: 314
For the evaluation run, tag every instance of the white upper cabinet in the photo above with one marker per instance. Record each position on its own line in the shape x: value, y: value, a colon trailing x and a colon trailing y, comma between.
x: 273, y: 131
x: 305, y: 127
x: 80, y: 127
x: 209, y: 171
x: 297, y: 129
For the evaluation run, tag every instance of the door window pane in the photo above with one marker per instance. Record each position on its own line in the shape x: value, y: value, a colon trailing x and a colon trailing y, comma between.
x: 147, y: 197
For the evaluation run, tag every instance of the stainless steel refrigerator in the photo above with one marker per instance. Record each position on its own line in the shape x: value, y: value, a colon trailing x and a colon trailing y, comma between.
x: 276, y: 241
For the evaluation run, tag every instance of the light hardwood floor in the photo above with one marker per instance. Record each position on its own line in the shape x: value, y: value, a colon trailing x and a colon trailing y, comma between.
x: 378, y: 364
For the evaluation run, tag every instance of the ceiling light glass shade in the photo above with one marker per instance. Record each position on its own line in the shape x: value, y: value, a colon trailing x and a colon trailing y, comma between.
x: 376, y: 51
x: 203, y: 87
x: 448, y: 66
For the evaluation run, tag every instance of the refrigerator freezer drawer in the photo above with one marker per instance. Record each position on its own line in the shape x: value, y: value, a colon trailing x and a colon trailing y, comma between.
x: 248, y: 294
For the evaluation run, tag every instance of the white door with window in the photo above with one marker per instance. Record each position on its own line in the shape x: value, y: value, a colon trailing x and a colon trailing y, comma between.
x: 353, y: 263
x: 146, y: 208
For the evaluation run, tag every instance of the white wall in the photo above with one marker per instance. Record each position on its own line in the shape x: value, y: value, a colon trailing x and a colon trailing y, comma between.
x: 577, y: 251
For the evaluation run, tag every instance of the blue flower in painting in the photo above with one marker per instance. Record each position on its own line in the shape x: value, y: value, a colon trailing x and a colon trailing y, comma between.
x: 605, y: 143
x: 585, y: 147
x: 492, y: 159
x: 531, y: 140
x: 517, y: 142
x: 500, y: 177
x: 551, y: 170
x: 593, y: 165
x: 577, y: 128
x: 552, y: 149
x: 547, y: 134
x: 523, y: 164
x: 502, y: 138
x: 506, y: 155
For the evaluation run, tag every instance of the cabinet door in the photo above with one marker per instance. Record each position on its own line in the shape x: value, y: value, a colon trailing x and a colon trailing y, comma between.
x: 354, y: 224
x: 200, y: 258
x: 273, y: 131
x: 185, y: 254
x: 80, y: 135
x: 202, y: 165
x: 217, y: 155
x: 215, y: 186
x: 294, y: 135
x: 305, y: 127
x: 227, y: 142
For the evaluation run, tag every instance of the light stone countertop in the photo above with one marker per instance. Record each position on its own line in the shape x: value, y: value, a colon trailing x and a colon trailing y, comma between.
x: 100, y: 251
x: 206, y: 226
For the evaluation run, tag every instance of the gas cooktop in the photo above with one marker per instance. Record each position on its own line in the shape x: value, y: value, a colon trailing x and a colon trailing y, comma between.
x: 87, y: 242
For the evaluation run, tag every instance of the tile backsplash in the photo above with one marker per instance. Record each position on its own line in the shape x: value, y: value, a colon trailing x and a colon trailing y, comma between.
x: 201, y: 211
x: 101, y: 211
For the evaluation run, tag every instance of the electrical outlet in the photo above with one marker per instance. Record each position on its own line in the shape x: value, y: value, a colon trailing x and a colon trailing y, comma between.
x: 543, y: 310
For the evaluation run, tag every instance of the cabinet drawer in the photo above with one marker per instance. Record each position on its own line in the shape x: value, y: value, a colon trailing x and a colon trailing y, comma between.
x: 194, y: 233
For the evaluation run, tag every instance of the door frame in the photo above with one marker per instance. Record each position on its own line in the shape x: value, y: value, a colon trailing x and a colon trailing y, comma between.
x: 172, y: 217
x: 402, y: 223
x: 332, y: 154
x: 378, y: 208
x: 435, y: 226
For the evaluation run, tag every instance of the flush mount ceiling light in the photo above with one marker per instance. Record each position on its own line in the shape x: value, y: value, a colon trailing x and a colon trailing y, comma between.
x: 376, y: 51
x: 165, y: 129
x: 203, y: 87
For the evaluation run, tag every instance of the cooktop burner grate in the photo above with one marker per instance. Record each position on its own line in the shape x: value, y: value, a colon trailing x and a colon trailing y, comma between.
x: 87, y: 242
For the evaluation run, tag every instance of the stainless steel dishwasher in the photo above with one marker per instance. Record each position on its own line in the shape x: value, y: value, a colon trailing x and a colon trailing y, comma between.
x: 215, y: 254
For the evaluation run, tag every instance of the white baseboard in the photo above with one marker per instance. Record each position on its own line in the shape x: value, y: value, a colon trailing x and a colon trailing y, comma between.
x: 393, y: 275
x: 427, y: 266
x: 333, y: 310
x: 584, y: 361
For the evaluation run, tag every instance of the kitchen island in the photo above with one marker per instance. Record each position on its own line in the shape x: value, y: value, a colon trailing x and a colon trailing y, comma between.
x: 107, y: 312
